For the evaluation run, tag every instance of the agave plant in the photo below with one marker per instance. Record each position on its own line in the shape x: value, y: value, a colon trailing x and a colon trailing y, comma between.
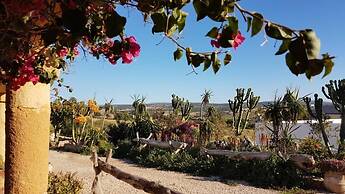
x: 283, y: 114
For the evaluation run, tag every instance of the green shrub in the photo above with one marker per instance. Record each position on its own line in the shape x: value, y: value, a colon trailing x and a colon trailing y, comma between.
x: 269, y: 173
x: 123, y: 149
x: 313, y: 147
x: 118, y: 132
x: 103, y: 146
x: 62, y: 183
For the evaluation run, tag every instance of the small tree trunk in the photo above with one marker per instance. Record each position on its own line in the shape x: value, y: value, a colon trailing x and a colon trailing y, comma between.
x: 325, y: 138
x: 342, y: 133
x: 27, y: 139
x: 2, y: 122
x: 238, y: 124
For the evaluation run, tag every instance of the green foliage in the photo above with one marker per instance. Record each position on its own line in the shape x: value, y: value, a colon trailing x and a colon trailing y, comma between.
x: 283, y: 114
x: 336, y: 93
x: 62, y: 183
x: 269, y: 173
x: 114, y: 24
x: 119, y: 132
x: 314, y: 148
x: 321, y: 118
x: 257, y: 23
x: 123, y: 149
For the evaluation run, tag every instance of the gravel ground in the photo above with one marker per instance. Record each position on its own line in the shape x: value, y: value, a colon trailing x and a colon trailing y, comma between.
x: 70, y: 162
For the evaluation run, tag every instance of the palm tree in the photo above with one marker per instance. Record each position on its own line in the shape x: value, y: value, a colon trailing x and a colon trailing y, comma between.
x: 205, y: 100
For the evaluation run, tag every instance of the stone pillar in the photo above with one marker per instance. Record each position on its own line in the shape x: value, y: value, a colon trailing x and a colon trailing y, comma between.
x: 27, y: 139
x: 2, y: 122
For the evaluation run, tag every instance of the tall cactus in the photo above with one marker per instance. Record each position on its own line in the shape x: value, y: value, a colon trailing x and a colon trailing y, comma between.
x: 336, y: 93
x: 186, y: 108
x: 175, y: 103
x: 180, y: 104
x: 236, y: 106
x: 321, y: 118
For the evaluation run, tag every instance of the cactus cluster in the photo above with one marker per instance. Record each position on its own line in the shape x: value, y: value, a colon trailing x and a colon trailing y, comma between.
x: 335, y: 91
x: 321, y: 118
x: 182, y: 105
x: 139, y: 107
x: 242, y: 98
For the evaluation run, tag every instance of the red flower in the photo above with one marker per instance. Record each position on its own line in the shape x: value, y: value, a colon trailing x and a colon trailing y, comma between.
x: 238, y: 40
x: 63, y: 52
x: 134, y: 47
x: 26, y: 74
x: 215, y: 43
x: 75, y: 50
x: 127, y: 57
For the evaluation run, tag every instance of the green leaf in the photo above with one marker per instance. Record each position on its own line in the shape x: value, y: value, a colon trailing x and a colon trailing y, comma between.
x: 249, y: 23
x: 297, y: 49
x: 291, y: 63
x: 214, y: 57
x: 159, y: 20
x: 114, y: 25
x: 312, y: 44
x: 216, y: 66
x: 283, y: 47
x: 233, y: 24
x: 315, y: 67
x: 328, y: 63
x: 225, y: 37
x: 213, y: 33
x: 277, y: 32
x: 178, y: 54
x: 200, y: 9
x: 188, y: 55
x: 207, y: 63
x: 227, y: 58
x: 181, y: 22
x: 215, y: 62
x: 257, y: 23
x: 197, y: 60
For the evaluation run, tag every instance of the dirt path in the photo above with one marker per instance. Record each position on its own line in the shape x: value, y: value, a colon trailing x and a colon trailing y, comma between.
x: 69, y: 162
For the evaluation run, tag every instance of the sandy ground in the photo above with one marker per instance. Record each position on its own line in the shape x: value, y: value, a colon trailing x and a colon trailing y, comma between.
x: 69, y: 162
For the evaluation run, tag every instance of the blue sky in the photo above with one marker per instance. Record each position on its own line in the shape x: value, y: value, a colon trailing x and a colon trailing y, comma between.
x: 155, y: 74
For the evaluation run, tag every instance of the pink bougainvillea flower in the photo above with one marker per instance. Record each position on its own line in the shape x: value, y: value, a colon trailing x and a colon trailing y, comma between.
x: 134, y: 49
x: 75, y: 51
x: 26, y: 74
x: 215, y: 43
x: 127, y: 57
x: 63, y: 52
x: 238, y: 40
x: 131, y: 39
x: 110, y: 43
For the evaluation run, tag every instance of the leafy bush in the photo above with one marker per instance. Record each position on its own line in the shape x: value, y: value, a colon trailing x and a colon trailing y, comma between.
x: 118, y: 132
x: 268, y: 173
x: 103, y: 146
x: 123, y: 149
x: 332, y: 165
x: 313, y: 147
x: 62, y: 183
